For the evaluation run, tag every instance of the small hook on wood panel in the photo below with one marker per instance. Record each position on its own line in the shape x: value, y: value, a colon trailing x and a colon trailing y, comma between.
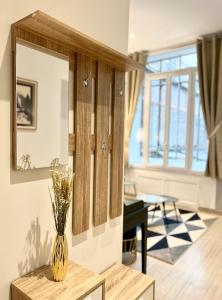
x: 86, y: 81
x: 104, y: 146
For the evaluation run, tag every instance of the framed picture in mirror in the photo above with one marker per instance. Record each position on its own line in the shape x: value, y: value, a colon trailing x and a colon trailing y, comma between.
x: 26, y: 103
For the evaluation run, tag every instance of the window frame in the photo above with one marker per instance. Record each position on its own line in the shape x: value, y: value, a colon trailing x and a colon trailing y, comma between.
x: 191, y: 72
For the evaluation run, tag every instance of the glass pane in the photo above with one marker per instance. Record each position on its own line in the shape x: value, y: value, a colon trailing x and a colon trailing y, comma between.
x: 157, y: 122
x: 178, y: 59
x: 178, y: 121
x: 136, y: 137
x: 200, y: 145
x: 188, y: 61
x: 154, y: 66
x: 170, y: 64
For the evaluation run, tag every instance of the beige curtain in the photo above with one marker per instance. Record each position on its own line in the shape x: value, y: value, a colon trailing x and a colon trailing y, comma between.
x: 134, y: 83
x: 209, y: 49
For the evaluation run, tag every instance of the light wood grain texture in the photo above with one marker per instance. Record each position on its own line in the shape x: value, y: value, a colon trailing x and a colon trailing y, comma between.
x: 93, y: 142
x: 72, y: 142
x: 124, y: 283
x: 116, y: 184
x: 110, y: 143
x: 102, y: 114
x: 13, y: 111
x: 82, y: 129
x: 39, y: 285
x: 46, y: 26
x: 39, y: 42
x: 196, y: 275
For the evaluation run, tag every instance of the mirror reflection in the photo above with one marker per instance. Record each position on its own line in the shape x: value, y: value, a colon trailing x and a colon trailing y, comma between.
x: 41, y: 107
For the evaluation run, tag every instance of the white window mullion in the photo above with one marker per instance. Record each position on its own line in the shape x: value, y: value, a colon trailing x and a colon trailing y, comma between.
x: 146, y: 113
x: 167, y: 121
x: 190, y: 120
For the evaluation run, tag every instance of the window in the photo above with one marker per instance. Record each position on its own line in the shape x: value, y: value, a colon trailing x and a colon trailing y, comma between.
x: 179, y: 93
x: 157, y: 122
x: 174, y: 60
x: 168, y: 129
x: 136, y: 141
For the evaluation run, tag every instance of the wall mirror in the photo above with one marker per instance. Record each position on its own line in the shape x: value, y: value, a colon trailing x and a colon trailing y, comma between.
x: 40, y: 107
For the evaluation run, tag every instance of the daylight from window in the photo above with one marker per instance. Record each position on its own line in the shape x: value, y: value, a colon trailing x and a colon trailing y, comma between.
x: 174, y: 135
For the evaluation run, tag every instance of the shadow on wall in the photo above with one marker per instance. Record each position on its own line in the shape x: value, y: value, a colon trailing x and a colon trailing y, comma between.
x: 6, y: 72
x: 37, y: 253
x: 28, y: 175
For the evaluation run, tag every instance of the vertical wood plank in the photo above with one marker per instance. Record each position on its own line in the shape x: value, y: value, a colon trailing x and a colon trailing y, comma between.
x: 116, y: 178
x: 101, y: 172
x: 72, y: 142
x: 82, y: 129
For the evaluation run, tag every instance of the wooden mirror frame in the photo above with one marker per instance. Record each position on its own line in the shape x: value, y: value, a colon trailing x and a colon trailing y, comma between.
x: 18, y: 39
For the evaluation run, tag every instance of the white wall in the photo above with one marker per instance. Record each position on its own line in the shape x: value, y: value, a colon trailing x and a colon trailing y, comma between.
x: 157, y: 23
x: 26, y: 223
x: 193, y: 191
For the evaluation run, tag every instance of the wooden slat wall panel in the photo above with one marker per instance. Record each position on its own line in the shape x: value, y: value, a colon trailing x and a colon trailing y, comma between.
x: 116, y: 182
x: 82, y: 128
x: 102, y: 113
x: 72, y: 142
x: 45, y: 43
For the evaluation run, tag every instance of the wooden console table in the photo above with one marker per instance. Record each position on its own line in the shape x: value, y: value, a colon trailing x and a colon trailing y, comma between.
x: 39, y: 284
x: 127, y: 284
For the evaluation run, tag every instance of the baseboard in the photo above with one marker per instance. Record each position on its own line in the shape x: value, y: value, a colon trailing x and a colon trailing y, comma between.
x: 187, y: 205
x: 210, y: 210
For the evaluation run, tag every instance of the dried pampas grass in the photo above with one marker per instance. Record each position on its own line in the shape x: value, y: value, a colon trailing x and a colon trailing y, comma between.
x: 60, y: 194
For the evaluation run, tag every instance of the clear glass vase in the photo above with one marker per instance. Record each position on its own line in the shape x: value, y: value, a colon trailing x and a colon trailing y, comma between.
x: 60, y: 258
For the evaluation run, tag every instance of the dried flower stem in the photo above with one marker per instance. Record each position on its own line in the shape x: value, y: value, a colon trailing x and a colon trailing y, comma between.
x: 61, y: 195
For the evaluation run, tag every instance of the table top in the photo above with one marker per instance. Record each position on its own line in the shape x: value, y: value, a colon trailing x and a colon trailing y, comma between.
x: 170, y: 198
x: 151, y: 199
x: 128, y: 201
x: 132, y: 206
x: 125, y: 283
x: 39, y: 284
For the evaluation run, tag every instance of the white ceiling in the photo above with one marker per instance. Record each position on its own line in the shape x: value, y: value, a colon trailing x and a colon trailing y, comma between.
x: 161, y: 23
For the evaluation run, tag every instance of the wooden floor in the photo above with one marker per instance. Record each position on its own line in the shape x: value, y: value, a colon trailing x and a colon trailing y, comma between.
x: 197, y: 275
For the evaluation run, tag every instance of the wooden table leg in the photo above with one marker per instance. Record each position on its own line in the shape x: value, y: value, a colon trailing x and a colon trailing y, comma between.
x: 144, y: 246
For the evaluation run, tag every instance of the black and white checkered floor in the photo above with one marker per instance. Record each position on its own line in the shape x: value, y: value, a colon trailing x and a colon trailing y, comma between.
x: 169, y: 237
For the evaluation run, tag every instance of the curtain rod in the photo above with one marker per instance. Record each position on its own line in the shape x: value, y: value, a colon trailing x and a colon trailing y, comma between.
x: 210, y: 35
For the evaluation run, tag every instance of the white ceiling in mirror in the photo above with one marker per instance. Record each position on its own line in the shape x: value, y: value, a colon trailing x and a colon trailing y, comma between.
x: 155, y: 24
x: 41, y: 107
